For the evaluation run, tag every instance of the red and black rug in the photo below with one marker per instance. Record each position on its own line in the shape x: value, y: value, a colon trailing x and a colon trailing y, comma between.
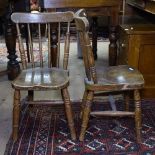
x: 44, y: 131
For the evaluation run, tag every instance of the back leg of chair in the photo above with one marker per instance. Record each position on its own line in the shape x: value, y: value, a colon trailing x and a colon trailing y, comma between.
x: 69, y: 113
x: 83, y: 102
x: 127, y: 100
x: 86, y: 114
x: 16, y: 113
x: 30, y: 95
x: 30, y: 98
x: 138, y: 119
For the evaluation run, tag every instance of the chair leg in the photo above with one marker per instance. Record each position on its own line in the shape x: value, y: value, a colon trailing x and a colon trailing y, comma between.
x: 83, y: 103
x: 86, y: 113
x: 127, y: 100
x: 69, y: 113
x: 30, y: 95
x: 30, y: 98
x: 16, y: 113
x: 138, y: 119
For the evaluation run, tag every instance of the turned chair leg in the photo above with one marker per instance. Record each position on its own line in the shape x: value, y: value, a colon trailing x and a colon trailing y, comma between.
x: 138, y: 119
x: 69, y: 113
x: 83, y: 103
x: 86, y: 114
x: 16, y: 113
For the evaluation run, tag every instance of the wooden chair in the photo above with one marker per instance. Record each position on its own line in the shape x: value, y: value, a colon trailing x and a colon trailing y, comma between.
x: 112, y: 79
x: 41, y: 76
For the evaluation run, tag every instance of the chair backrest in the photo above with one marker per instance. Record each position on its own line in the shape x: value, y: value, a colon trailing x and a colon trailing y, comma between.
x: 82, y: 26
x: 35, y: 21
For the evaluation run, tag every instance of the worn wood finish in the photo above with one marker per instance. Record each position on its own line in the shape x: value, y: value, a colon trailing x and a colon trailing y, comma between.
x: 109, y: 8
x: 41, y: 75
x: 136, y: 48
x: 112, y: 79
x: 44, y: 17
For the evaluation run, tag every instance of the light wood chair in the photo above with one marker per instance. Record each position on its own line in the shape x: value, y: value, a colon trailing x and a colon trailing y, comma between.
x: 41, y: 76
x: 112, y: 79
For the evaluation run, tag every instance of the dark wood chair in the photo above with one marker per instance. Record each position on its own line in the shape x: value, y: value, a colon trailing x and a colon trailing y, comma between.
x: 40, y: 75
x: 108, y: 80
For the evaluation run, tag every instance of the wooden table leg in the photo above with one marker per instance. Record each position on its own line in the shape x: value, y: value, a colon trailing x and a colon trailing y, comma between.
x: 10, y: 40
x: 114, y: 21
x: 54, y: 45
x: 112, y: 46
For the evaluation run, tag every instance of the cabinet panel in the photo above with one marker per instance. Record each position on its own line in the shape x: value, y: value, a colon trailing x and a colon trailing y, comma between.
x: 147, y: 59
x: 140, y: 53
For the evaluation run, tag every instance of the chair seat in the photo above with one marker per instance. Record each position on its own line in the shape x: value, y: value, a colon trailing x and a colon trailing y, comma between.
x: 44, y: 78
x: 117, y: 78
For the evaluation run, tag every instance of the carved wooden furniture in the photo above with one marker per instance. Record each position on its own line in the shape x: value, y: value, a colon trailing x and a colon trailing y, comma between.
x: 136, y: 48
x: 111, y: 79
x: 41, y: 76
x: 7, y: 7
x: 13, y: 67
x: 94, y: 8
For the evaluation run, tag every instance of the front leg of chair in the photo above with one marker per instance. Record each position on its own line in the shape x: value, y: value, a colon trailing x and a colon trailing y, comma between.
x: 138, y: 114
x: 86, y: 114
x: 83, y: 103
x: 16, y: 113
x: 69, y: 113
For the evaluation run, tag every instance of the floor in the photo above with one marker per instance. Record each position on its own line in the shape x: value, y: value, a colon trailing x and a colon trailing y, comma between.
x: 76, y: 89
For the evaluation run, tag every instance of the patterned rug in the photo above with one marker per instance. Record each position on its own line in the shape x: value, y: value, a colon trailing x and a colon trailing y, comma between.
x: 44, y: 131
x: 4, y: 54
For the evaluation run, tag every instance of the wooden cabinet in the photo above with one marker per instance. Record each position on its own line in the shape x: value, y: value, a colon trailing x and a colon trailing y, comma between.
x: 145, y: 5
x: 136, y: 47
